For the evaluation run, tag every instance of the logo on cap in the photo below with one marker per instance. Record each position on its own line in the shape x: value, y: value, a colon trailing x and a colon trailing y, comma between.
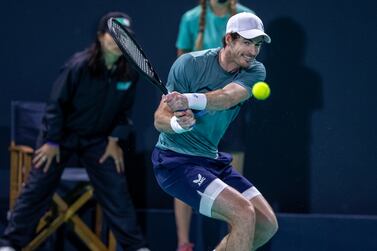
x: 123, y: 21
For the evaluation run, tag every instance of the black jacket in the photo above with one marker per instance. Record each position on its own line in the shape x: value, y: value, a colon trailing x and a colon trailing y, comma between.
x: 85, y: 106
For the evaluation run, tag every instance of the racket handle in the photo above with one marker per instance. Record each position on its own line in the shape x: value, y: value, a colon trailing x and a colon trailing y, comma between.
x: 201, y: 113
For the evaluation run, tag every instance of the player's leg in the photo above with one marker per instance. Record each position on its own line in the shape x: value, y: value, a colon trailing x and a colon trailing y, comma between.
x: 183, y: 214
x: 238, y: 158
x: 195, y: 181
x: 239, y: 213
x: 265, y: 219
x: 266, y: 224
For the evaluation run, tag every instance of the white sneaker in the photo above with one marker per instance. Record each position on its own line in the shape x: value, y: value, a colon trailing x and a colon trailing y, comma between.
x: 7, y: 249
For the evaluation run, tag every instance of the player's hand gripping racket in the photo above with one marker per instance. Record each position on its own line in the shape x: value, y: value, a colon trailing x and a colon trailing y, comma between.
x: 132, y: 51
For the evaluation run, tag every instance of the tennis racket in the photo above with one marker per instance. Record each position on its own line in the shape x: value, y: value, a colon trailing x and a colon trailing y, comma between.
x: 132, y: 51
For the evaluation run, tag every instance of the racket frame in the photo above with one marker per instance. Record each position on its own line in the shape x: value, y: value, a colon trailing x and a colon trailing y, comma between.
x: 155, y: 79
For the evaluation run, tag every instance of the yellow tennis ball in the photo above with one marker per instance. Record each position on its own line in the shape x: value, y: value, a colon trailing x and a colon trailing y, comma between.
x: 261, y: 90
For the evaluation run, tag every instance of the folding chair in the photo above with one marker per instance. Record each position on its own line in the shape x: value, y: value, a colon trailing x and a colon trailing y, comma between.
x: 26, y: 120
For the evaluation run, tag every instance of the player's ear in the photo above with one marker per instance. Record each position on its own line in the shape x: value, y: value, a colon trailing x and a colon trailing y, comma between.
x: 228, y: 39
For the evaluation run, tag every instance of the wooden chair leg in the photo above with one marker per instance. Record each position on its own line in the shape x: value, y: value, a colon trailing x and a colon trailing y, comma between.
x: 27, y: 167
x: 82, y: 230
x: 21, y: 165
x: 20, y: 174
x: 112, y: 242
x: 69, y: 212
x: 20, y: 168
x: 14, y: 181
x: 98, y: 220
x: 87, y: 236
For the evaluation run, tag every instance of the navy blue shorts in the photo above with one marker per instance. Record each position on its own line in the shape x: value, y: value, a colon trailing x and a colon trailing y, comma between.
x: 198, y: 181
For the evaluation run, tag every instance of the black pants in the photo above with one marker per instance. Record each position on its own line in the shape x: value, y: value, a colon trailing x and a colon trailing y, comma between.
x: 110, y: 189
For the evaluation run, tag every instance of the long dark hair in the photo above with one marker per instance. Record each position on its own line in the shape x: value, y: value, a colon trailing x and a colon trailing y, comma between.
x: 97, y: 67
x: 232, y: 8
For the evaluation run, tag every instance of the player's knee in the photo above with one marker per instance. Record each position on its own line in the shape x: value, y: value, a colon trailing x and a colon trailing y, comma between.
x: 271, y: 227
x: 245, y: 215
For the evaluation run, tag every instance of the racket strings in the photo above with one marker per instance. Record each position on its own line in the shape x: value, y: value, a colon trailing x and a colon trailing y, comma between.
x: 134, y: 53
x: 132, y: 50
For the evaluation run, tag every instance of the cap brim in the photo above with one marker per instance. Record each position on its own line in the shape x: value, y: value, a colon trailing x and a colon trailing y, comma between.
x: 124, y: 20
x: 250, y: 34
x: 123, y: 26
x: 129, y: 30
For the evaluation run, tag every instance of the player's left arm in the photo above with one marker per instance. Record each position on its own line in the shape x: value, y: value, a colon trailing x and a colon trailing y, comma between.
x: 221, y: 99
x: 227, y: 97
x: 230, y: 95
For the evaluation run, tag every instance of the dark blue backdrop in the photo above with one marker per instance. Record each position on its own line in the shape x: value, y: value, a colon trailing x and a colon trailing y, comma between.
x: 311, y: 146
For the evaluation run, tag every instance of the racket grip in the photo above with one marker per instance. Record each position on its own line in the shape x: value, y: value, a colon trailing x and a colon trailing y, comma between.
x: 200, y: 113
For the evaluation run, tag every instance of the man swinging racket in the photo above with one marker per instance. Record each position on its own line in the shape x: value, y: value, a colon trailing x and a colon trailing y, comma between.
x: 186, y: 161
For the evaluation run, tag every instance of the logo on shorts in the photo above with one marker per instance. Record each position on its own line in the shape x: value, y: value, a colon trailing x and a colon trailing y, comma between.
x: 199, y: 180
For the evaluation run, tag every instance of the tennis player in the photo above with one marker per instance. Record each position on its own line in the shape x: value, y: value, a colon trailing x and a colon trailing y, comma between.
x: 207, y: 88
x: 201, y: 28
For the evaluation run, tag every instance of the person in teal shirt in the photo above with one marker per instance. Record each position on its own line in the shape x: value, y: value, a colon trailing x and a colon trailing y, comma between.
x: 206, y: 90
x: 203, y: 28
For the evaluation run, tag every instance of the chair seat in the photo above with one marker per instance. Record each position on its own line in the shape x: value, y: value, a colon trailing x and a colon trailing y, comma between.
x: 75, y: 174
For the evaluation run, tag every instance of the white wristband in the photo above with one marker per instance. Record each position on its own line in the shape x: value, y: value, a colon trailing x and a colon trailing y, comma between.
x: 196, y: 101
x: 176, y: 127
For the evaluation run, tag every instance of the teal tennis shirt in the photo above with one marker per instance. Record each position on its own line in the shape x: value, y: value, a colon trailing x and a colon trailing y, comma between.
x: 214, y: 29
x: 201, y: 72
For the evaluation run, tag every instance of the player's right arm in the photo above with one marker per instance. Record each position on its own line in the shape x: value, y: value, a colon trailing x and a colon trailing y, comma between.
x: 167, y: 121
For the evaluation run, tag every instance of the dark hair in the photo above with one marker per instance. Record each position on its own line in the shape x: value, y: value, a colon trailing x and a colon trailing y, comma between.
x: 96, y: 62
x: 234, y: 36
x: 232, y: 7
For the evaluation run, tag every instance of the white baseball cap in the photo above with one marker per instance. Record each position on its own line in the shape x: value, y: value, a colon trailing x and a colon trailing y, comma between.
x: 247, y: 25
